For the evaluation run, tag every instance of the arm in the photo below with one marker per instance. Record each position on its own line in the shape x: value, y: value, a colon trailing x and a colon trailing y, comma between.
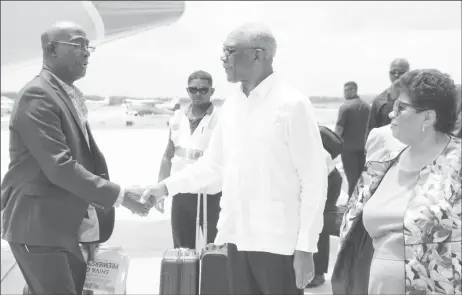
x: 341, y: 120
x: 38, y: 122
x: 166, y: 165
x: 202, y: 173
x: 372, y: 122
x: 309, y: 159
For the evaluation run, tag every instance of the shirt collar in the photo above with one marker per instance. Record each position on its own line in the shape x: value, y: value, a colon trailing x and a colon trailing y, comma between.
x: 209, y: 111
x: 66, y: 86
x: 264, y: 87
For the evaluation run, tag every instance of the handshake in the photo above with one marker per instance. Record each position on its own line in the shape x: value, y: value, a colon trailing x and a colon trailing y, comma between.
x: 141, y: 200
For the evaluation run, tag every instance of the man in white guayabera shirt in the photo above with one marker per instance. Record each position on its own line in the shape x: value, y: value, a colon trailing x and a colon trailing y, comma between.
x: 267, y: 148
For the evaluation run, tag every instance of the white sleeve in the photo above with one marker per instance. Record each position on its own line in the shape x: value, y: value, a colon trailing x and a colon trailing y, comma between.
x: 308, y: 156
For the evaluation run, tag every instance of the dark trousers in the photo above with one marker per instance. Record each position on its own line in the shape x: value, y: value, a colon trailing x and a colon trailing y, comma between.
x: 183, y: 218
x: 321, y: 258
x: 353, y: 163
x: 258, y: 273
x: 51, y: 270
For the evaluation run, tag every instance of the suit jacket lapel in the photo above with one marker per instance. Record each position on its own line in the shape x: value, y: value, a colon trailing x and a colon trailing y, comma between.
x: 63, y: 95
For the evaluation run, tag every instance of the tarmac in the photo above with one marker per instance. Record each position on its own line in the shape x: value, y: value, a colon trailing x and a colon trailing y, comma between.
x: 143, y: 239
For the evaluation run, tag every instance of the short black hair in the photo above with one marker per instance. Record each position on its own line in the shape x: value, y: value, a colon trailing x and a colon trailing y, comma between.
x: 201, y: 75
x: 351, y: 83
x: 432, y: 90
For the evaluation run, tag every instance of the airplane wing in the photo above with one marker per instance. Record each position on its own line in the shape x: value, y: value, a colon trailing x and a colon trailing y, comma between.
x: 22, y: 22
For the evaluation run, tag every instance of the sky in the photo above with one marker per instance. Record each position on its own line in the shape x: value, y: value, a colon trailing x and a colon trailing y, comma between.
x: 321, y: 45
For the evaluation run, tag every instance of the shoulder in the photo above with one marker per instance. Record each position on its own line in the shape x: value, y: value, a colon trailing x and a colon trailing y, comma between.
x: 290, y: 98
x: 34, y: 94
x: 451, y: 156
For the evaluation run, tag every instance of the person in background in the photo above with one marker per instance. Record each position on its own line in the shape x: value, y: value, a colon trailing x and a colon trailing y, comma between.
x: 189, y: 136
x: 268, y: 150
x: 333, y: 146
x: 401, y: 233
x: 382, y: 105
x: 56, y: 192
x: 380, y: 141
x: 351, y: 126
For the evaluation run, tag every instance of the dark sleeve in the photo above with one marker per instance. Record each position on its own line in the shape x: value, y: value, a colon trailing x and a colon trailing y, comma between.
x: 372, y: 122
x: 38, y: 122
x: 331, y: 142
x: 342, y: 115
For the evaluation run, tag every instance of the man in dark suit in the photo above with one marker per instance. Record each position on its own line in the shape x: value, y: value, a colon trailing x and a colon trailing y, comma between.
x: 56, y: 192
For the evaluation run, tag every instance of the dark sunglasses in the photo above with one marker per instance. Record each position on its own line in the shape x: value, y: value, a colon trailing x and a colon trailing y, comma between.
x: 201, y: 90
x: 397, y: 73
x: 399, y: 106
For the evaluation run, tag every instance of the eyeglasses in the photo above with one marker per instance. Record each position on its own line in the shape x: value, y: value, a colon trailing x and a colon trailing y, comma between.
x: 397, y: 73
x: 201, y: 90
x: 80, y: 45
x: 227, y: 51
x: 399, y: 106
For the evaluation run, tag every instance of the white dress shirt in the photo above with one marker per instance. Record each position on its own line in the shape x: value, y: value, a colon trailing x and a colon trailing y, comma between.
x: 267, y: 148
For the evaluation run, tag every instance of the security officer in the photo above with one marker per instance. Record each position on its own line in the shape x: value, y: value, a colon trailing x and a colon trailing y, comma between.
x: 190, y: 132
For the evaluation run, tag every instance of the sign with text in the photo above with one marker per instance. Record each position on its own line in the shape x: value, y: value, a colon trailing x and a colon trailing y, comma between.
x: 107, y: 273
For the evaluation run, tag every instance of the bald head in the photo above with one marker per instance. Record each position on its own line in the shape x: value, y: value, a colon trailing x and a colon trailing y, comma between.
x: 256, y: 35
x: 61, y: 31
x: 400, y: 63
x: 398, y: 67
x: 66, y: 51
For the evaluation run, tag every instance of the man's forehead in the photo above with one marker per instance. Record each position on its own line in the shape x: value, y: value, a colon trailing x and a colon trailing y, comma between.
x: 399, y: 65
x: 235, y: 39
x: 199, y: 82
x: 69, y: 33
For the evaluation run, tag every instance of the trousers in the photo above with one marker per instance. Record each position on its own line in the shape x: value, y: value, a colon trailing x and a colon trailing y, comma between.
x: 183, y: 219
x: 51, y: 270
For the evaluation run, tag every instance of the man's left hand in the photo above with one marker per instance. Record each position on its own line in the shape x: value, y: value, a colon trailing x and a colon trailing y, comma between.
x: 91, y: 250
x: 304, y: 268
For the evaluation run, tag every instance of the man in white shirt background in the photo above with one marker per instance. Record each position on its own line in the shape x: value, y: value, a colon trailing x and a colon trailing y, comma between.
x: 267, y: 149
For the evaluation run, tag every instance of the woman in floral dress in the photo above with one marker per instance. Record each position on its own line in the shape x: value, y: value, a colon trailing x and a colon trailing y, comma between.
x: 401, y: 233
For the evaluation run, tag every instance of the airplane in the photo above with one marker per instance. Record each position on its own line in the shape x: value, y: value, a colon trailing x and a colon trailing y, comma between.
x: 103, y: 21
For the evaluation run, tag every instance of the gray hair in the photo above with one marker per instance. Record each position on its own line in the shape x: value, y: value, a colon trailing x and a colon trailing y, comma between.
x: 259, y: 36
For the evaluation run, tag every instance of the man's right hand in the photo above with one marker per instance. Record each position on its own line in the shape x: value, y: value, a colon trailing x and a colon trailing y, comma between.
x: 154, y: 194
x: 132, y: 201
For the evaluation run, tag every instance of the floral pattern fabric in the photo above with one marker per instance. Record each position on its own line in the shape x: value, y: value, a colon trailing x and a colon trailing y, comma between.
x: 432, y: 221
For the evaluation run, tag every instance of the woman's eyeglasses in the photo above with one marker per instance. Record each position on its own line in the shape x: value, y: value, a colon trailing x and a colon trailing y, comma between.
x: 399, y: 106
x: 201, y: 90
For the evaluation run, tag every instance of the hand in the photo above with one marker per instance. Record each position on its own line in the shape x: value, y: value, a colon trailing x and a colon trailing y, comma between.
x: 160, y: 206
x: 154, y: 194
x: 304, y: 268
x: 91, y: 250
x: 132, y: 201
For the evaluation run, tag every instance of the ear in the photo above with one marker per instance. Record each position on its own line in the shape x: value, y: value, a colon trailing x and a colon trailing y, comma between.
x: 259, y: 54
x: 51, y: 49
x: 212, y: 91
x: 430, y: 118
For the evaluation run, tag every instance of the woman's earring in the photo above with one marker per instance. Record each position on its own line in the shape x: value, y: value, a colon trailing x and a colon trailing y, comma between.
x: 423, y: 128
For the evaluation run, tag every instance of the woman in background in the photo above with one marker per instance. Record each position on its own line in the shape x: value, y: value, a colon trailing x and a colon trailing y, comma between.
x: 401, y: 233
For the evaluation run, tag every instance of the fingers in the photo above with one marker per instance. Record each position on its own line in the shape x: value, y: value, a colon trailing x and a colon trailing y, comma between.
x: 145, y: 195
